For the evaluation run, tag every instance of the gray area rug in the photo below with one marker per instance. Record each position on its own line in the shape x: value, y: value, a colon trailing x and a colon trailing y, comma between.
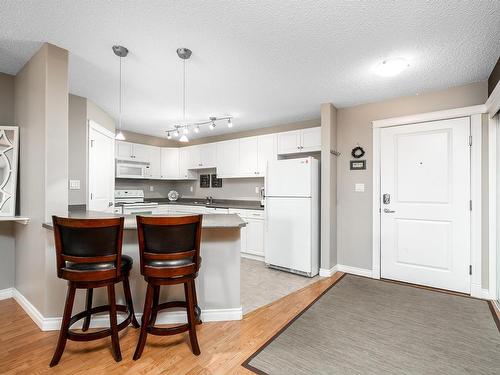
x: 366, y: 326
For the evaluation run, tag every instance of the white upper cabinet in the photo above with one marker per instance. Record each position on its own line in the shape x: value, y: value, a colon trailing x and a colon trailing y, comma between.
x: 154, y: 159
x: 143, y: 153
x: 170, y: 163
x: 297, y: 141
x: 208, y: 155
x: 248, y: 157
x: 289, y: 142
x: 194, y: 156
x: 310, y: 139
x: 228, y: 158
x: 185, y: 163
x: 124, y: 150
x: 266, y: 151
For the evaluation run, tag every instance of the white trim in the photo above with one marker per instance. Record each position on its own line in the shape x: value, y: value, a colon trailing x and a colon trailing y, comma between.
x: 492, y: 206
x: 325, y: 272
x: 493, y: 103
x: 475, y: 114
x: 29, y: 309
x: 101, y: 129
x: 259, y: 258
x: 102, y: 321
x: 6, y: 293
x: 376, y: 226
x: 430, y: 116
x: 476, y: 213
x: 355, y: 270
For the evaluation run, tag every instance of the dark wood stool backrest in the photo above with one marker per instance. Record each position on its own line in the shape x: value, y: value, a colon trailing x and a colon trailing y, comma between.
x: 87, y: 241
x: 169, y: 239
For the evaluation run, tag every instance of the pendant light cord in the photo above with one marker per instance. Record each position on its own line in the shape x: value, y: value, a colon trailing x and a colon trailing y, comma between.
x: 120, y: 99
x: 184, y: 92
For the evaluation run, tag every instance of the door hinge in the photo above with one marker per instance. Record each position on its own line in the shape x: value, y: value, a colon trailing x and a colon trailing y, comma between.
x: 470, y: 140
x: 91, y: 143
x: 470, y: 269
x: 91, y: 196
x: 470, y: 205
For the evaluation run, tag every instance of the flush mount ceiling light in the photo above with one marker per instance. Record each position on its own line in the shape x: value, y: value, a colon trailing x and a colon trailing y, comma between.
x: 391, y: 67
x: 184, y: 54
x: 121, y: 52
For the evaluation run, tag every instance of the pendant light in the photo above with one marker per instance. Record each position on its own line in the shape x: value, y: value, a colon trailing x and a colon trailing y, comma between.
x: 121, y: 52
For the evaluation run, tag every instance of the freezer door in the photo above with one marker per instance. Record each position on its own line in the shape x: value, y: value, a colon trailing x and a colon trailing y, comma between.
x: 289, y: 178
x: 288, y: 233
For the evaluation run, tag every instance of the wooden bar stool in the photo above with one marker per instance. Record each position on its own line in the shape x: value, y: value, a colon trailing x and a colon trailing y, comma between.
x: 89, y: 255
x: 169, y: 249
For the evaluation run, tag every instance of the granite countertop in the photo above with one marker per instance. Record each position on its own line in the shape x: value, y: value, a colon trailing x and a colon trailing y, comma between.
x: 210, y: 221
x: 217, y: 203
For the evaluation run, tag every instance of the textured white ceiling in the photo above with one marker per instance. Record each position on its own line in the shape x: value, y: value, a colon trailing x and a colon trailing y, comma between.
x: 265, y: 62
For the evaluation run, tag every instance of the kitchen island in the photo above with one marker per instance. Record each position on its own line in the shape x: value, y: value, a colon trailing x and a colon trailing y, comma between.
x: 218, y: 282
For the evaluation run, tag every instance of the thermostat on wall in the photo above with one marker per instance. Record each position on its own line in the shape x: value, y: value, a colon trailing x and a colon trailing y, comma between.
x: 358, y: 165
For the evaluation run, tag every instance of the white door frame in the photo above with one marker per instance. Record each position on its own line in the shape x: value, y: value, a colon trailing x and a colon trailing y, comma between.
x: 474, y: 112
x: 108, y: 133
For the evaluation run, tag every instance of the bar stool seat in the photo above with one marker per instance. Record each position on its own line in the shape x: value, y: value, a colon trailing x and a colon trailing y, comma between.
x: 126, y: 265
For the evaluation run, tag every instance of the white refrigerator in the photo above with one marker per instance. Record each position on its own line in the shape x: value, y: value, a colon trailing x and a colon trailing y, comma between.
x: 292, y: 213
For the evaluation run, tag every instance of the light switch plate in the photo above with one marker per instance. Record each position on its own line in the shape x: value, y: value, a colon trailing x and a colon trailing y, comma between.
x: 359, y: 188
x: 74, y: 184
x: 151, y: 188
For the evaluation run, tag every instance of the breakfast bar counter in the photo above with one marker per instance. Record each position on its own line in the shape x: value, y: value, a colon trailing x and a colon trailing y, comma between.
x: 218, y: 282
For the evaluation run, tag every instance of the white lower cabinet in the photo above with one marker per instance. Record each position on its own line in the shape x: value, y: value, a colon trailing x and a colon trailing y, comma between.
x: 252, y: 235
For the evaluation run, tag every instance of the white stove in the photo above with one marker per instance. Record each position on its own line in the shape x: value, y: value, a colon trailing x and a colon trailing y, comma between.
x: 131, y: 202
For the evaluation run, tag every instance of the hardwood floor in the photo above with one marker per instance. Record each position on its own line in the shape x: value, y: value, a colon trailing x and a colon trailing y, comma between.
x: 224, y: 345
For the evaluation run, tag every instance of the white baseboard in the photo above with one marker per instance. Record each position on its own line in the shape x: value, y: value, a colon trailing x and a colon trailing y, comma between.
x: 102, y: 321
x: 31, y: 310
x: 252, y: 256
x: 354, y: 270
x: 486, y: 294
x: 476, y: 290
x: 325, y: 272
x: 6, y: 293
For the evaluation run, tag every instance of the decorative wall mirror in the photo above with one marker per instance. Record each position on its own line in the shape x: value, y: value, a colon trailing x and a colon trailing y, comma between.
x: 9, y: 150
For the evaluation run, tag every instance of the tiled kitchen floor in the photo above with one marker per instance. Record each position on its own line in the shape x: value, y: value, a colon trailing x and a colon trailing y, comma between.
x: 261, y: 285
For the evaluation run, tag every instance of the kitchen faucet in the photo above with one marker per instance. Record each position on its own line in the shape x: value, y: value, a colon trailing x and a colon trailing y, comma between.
x: 210, y: 200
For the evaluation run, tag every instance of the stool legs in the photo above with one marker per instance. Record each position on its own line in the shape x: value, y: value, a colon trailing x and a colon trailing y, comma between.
x: 88, y: 306
x: 156, y: 300
x: 128, y: 299
x: 144, y: 322
x: 190, y: 300
x: 113, y: 324
x: 63, y: 333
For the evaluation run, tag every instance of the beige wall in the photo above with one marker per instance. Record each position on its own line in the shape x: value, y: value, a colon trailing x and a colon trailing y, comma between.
x: 7, y: 243
x: 261, y: 131
x: 354, y: 126
x: 149, y: 140
x: 77, y: 142
x: 97, y: 114
x: 6, y: 99
x: 41, y: 112
x: 328, y: 186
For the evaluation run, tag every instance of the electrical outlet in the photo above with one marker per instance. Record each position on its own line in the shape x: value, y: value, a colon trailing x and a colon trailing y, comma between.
x: 151, y: 188
x: 257, y: 189
x: 191, y: 189
x: 360, y: 188
x: 74, y: 184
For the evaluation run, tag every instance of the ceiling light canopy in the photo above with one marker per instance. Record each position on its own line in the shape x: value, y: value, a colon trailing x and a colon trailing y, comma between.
x: 184, y: 54
x: 391, y: 67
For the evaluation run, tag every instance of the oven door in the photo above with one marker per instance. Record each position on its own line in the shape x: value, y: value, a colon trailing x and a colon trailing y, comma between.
x: 128, y: 170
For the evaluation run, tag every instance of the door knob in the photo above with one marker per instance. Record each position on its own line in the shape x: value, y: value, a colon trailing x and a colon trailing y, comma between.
x: 387, y: 211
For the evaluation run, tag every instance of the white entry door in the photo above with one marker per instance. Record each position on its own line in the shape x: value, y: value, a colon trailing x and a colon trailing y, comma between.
x: 425, y: 215
x: 101, y: 168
